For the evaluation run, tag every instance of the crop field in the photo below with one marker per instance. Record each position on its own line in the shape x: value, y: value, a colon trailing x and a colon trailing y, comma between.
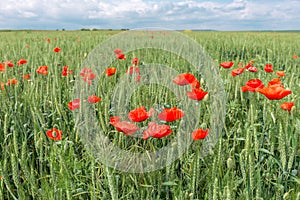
x: 226, y: 129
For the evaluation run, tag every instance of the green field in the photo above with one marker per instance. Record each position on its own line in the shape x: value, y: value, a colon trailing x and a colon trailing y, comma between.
x: 257, y: 155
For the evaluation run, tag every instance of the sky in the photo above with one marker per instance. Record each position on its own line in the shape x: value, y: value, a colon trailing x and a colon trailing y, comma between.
x: 223, y: 15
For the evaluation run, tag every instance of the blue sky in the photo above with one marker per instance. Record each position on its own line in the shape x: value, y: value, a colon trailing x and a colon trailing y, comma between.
x: 177, y: 14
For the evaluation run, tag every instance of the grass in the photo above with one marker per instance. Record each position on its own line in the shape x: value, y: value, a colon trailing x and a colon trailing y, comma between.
x: 256, y: 157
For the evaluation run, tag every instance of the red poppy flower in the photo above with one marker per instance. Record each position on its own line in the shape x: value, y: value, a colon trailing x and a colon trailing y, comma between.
x: 11, y: 82
x: 227, y: 65
x: 110, y: 71
x: 199, y: 134
x: 135, y: 61
x: 121, y: 56
x: 57, y: 49
x: 156, y: 131
x: 127, y: 128
x: 87, y: 75
x: 252, y: 84
x: 295, y: 57
x: 287, y: 106
x: 75, y: 104
x: 170, y: 114
x: 2, y: 67
x: 8, y: 63
x: 54, y: 134
x: 196, y: 94
x: 26, y: 76
x: 117, y: 51
x: 48, y: 40
x: 237, y: 71
x: 21, y: 62
x: 133, y: 69
x: 280, y: 73
x: 140, y: 114
x: 184, y: 79
x: 268, y: 68
x: 93, y: 99
x: 42, y: 70
x: 66, y: 72
x: 274, y: 92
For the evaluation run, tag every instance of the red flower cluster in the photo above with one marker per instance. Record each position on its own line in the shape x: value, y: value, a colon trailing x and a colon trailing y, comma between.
x: 134, y: 70
x: 140, y: 114
x: 249, y: 67
x: 189, y: 79
x: 119, y: 54
x: 65, y: 71
x: 75, y: 104
x: 87, y: 75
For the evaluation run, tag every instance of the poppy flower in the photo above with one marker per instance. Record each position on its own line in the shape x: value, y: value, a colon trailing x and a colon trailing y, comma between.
x: 42, y: 70
x: 237, y: 71
x: 184, y: 79
x: 110, y: 71
x: 87, y: 75
x: 140, y: 114
x: 274, y: 92
x: 21, y: 62
x: 268, y: 67
x: 170, y: 114
x: 93, y: 99
x: 156, y: 130
x: 121, y: 56
x: 280, y: 73
x: 126, y: 127
x: 65, y: 71
x: 75, y: 104
x: 2, y: 67
x: 196, y: 94
x: 287, y: 106
x: 26, y: 76
x: 252, y: 84
x: 11, y: 82
x: 8, y: 63
x: 199, y: 134
x: 57, y: 49
x: 226, y: 65
x: 135, y: 61
x: 295, y: 57
x: 54, y: 134
x: 48, y: 40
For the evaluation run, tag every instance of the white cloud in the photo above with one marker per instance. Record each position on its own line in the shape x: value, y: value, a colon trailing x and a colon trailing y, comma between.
x: 178, y: 14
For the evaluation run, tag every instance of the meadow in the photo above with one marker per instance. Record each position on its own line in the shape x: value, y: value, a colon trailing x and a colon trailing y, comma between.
x: 42, y: 155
